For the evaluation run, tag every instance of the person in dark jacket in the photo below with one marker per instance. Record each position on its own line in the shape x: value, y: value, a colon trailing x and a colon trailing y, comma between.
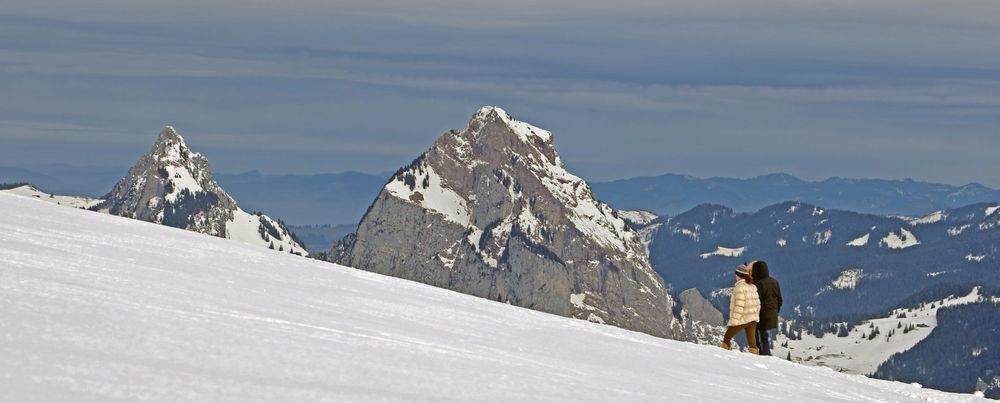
x: 770, y: 304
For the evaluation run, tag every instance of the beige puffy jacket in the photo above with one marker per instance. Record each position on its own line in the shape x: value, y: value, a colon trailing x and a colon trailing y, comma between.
x: 744, y: 307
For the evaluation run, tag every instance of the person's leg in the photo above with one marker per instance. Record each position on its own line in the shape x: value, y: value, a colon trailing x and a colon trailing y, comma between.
x: 751, y: 332
x: 757, y: 337
x: 728, y: 338
x: 764, y: 341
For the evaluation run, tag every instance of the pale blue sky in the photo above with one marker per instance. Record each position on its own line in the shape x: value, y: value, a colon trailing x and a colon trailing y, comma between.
x: 887, y: 89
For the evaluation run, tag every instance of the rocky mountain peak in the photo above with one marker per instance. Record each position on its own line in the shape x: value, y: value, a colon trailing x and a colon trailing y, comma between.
x: 173, y: 185
x: 491, y: 211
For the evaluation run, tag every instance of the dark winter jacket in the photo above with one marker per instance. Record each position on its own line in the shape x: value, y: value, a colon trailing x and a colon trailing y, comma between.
x: 770, y: 295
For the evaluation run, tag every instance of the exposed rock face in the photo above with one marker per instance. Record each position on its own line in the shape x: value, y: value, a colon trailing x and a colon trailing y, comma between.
x: 491, y: 211
x: 702, y: 323
x: 171, y: 185
x: 700, y: 309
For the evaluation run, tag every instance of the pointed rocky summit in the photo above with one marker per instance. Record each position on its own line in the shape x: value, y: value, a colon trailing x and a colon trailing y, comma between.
x: 172, y: 185
x: 491, y: 211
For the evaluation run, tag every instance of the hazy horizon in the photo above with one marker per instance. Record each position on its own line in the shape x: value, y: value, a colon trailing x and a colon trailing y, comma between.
x: 39, y: 168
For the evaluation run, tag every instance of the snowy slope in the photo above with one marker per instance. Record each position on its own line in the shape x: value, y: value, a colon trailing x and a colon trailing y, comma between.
x: 69, y: 201
x: 858, y: 354
x: 128, y: 310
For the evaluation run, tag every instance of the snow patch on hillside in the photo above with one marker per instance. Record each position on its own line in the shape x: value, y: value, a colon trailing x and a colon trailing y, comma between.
x: 181, y: 179
x: 821, y: 238
x: 860, y: 241
x: 252, y: 229
x: 956, y: 231
x: 725, y: 252
x: 991, y: 210
x: 975, y: 258
x: 931, y: 218
x: 637, y: 217
x: 856, y: 354
x: 781, y: 242
x: 430, y: 192
x: 904, y: 240
x: 848, y: 279
x: 694, y: 234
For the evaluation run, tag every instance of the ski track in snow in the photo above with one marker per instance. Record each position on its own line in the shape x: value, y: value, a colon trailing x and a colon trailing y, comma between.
x: 100, y: 308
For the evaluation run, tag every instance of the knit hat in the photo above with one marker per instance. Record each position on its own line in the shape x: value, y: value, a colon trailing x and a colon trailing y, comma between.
x: 743, y: 270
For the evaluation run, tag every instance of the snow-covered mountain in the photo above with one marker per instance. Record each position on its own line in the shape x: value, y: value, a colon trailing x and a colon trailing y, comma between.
x: 491, y: 211
x: 126, y: 310
x: 173, y: 186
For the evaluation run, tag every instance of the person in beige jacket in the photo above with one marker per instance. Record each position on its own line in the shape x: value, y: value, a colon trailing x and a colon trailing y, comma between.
x: 744, y: 310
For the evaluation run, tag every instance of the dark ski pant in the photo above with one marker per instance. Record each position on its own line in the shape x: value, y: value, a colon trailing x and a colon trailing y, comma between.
x: 749, y: 328
x: 764, y: 340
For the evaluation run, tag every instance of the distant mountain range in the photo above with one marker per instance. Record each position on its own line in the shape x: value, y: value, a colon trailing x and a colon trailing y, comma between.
x: 842, y: 271
x: 673, y: 194
x: 832, y: 263
x: 341, y: 198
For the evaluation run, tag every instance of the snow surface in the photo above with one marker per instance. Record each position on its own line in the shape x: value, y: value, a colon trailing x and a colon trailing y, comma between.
x: 637, y: 217
x: 128, y: 310
x: 956, y: 231
x: 436, y: 197
x: 975, y: 258
x: 69, y: 201
x: 182, y: 179
x: 856, y: 354
x: 931, y: 218
x: 848, y: 279
x: 821, y: 238
x: 725, y: 252
x: 781, y: 242
x: 904, y: 240
x: 694, y: 234
x: 245, y: 227
x: 991, y: 210
x: 860, y: 241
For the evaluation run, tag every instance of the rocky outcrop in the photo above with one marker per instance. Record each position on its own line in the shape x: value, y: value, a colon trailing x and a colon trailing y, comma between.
x: 700, y: 309
x: 171, y: 185
x: 701, y: 322
x: 491, y: 211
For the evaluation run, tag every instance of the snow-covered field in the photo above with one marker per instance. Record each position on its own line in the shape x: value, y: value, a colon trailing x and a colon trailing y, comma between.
x: 856, y: 353
x: 725, y: 252
x: 68, y: 201
x: 102, y: 308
